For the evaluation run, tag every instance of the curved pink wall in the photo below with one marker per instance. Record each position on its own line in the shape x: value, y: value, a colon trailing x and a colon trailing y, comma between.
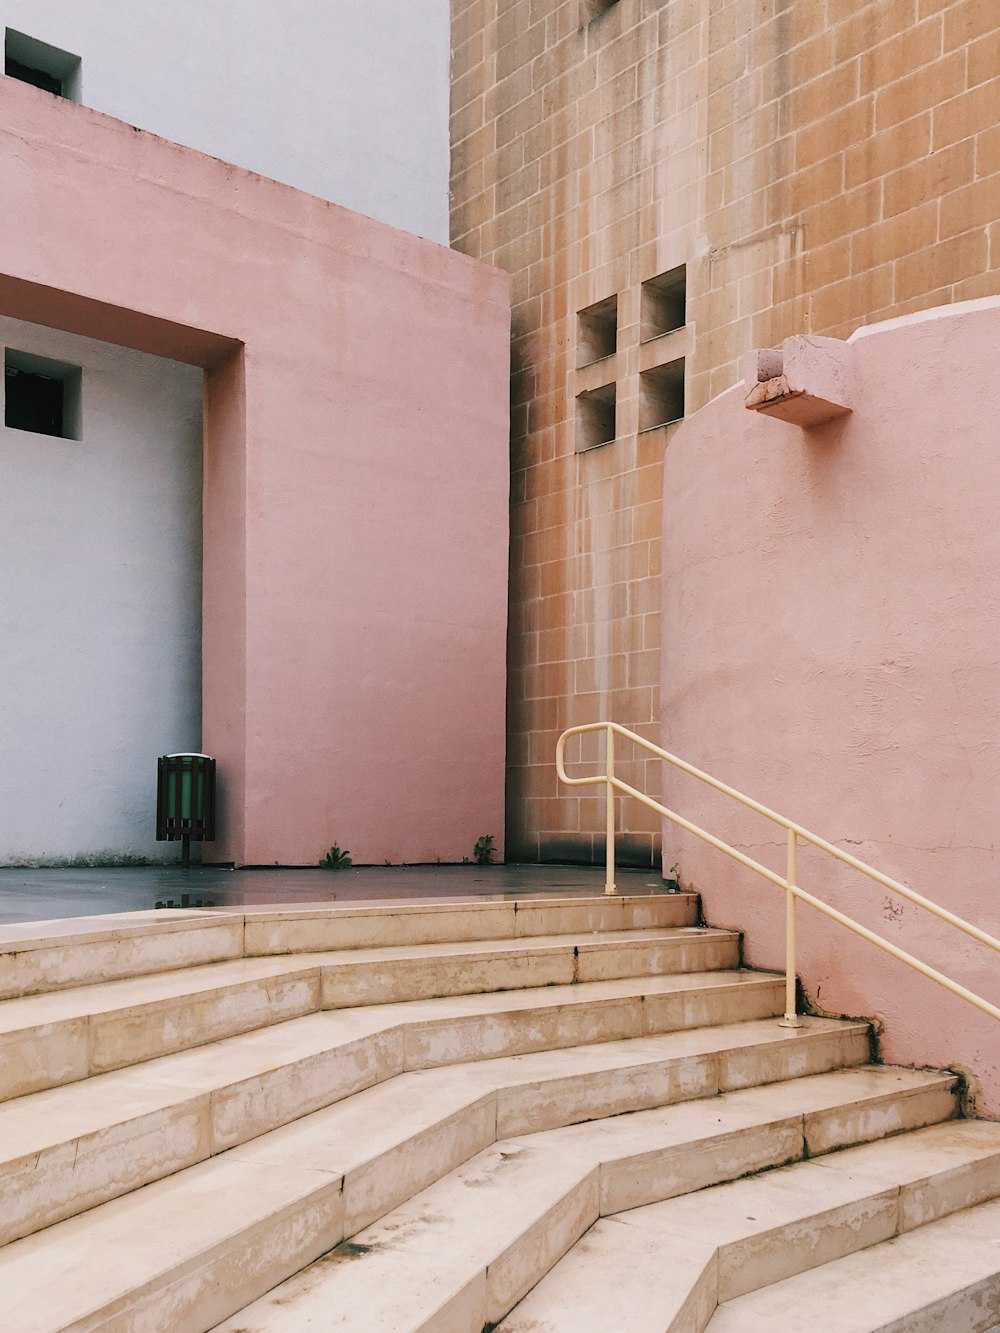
x: 356, y: 473
x: 832, y: 648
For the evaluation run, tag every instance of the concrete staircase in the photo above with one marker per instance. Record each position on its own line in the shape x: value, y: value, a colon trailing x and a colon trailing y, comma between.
x: 533, y: 1115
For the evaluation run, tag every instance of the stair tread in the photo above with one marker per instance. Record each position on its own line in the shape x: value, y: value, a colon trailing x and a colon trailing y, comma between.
x: 758, y: 1230
x: 71, y: 1148
x: 110, y: 996
x: 441, y: 1242
x: 399, y: 1251
x: 135, y: 1240
x: 140, y: 990
x: 913, y: 1281
x: 39, y: 1120
x: 20, y: 936
x: 106, y: 925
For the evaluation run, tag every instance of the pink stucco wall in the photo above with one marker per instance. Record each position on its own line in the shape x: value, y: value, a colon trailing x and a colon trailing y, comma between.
x: 832, y: 648
x: 356, y: 473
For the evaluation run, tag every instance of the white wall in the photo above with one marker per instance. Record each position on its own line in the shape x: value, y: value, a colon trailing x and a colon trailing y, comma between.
x: 100, y: 605
x: 345, y: 99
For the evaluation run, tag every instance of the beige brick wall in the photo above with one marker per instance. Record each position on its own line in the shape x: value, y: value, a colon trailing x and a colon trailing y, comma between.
x: 815, y: 165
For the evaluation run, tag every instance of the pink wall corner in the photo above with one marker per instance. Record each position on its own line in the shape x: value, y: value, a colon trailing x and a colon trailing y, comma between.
x: 356, y: 493
x: 224, y: 619
x: 832, y: 648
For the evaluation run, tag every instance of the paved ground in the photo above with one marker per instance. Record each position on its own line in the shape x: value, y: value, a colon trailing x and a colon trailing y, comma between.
x: 43, y: 895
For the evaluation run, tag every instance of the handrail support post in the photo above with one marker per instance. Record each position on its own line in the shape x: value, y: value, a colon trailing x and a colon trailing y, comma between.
x: 609, y: 878
x: 790, y: 884
x: 791, y: 1018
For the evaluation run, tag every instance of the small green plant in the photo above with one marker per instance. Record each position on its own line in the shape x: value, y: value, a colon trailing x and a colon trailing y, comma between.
x: 483, y: 850
x: 675, y: 871
x: 335, y: 859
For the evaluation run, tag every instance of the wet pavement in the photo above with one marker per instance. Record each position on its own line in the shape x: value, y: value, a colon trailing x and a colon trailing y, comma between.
x: 45, y: 895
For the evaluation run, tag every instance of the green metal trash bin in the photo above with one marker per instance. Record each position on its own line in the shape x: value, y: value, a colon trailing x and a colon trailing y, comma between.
x: 185, y: 800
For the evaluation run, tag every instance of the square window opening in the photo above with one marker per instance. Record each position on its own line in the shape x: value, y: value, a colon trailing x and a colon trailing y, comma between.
x: 661, y: 395
x: 593, y: 9
x: 41, y: 395
x: 595, y: 418
x: 43, y: 66
x: 597, y: 332
x: 664, y: 304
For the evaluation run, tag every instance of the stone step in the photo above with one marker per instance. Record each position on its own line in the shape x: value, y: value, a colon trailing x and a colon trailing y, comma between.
x: 733, y: 1239
x: 376, y: 925
x: 942, y: 1278
x: 190, y: 1250
x: 417, y: 972
x: 70, y: 1148
x: 41, y: 956
x: 48, y: 1040
x: 459, y: 1255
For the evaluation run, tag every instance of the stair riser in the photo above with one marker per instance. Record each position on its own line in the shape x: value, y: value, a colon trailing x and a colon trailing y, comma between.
x: 145, y: 1032
x: 633, y: 1182
x: 85, y: 963
x: 38, y: 1191
x: 784, y: 1251
x: 51, y: 1054
x: 531, y: 1108
x: 43, y: 1057
x: 889, y: 1115
x: 649, y: 1177
x: 948, y: 1193
x: 512, y: 1274
x: 807, y: 1243
x: 741, y: 1068
x: 376, y: 1188
x: 941, y: 1277
x: 254, y: 1106
x: 351, y: 985
x: 386, y: 927
x: 760, y: 1260
x: 591, y: 1096
x: 441, y: 1042
x: 41, y: 1189
x: 465, y: 1310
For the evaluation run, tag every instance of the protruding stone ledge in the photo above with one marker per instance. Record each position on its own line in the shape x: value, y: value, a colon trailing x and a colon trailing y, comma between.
x: 806, y: 381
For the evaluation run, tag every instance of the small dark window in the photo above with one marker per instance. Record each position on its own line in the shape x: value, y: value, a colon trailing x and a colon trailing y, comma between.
x: 31, y: 61
x: 597, y: 331
x: 595, y: 417
x: 15, y: 70
x: 593, y: 9
x: 664, y: 304
x: 41, y: 396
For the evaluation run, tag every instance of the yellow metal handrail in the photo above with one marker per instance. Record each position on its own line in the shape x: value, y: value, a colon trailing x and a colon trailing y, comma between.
x: 788, y: 883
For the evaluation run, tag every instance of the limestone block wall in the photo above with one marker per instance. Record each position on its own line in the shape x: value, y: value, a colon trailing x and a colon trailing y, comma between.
x: 831, y: 601
x: 810, y: 166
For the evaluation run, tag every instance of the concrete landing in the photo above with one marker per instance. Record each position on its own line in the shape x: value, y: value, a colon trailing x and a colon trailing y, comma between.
x: 49, y: 894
